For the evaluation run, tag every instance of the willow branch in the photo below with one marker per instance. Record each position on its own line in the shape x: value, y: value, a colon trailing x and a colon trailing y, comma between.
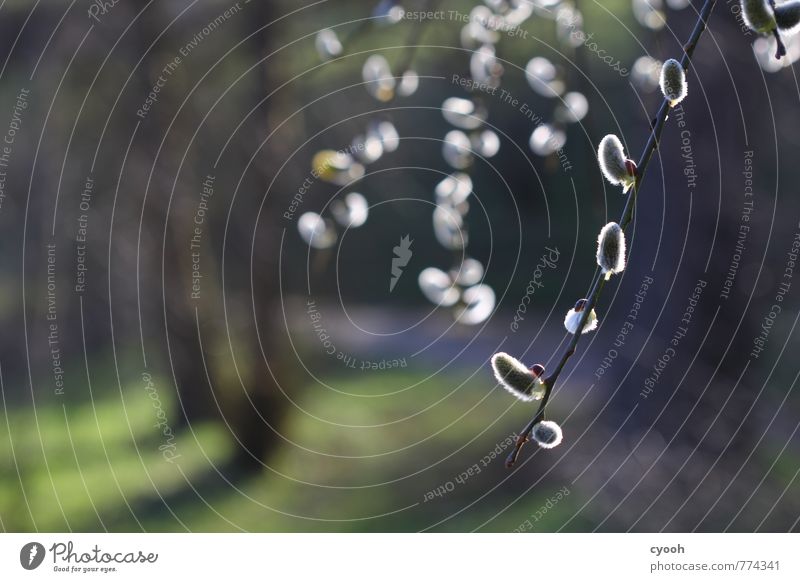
x: 412, y: 40
x: 625, y: 220
x: 780, y: 48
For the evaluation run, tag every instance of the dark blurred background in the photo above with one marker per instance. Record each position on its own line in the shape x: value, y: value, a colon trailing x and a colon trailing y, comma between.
x: 176, y: 356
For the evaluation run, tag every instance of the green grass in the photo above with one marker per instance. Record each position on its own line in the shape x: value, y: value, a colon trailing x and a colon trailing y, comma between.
x: 104, y: 469
x: 81, y: 464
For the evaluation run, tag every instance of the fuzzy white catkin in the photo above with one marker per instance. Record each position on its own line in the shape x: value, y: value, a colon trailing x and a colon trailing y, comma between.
x: 573, y: 320
x: 611, y: 156
x: 757, y: 14
x: 611, y: 249
x: 673, y: 82
x: 516, y: 378
x: 787, y: 16
x: 547, y: 434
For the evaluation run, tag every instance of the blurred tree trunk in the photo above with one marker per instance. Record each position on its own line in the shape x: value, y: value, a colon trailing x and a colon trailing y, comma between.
x: 243, y: 393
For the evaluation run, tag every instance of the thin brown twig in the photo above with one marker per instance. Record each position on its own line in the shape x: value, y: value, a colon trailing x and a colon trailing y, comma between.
x: 780, y: 48
x: 412, y: 41
x: 627, y: 215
